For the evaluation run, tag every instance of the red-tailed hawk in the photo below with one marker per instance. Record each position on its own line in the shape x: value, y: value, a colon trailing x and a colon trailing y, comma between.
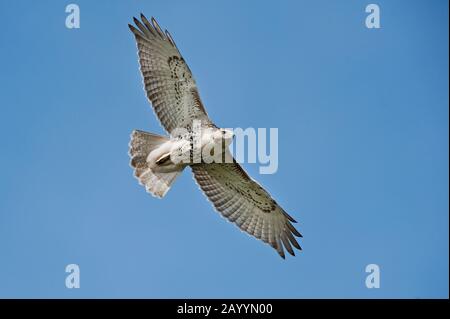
x: 171, y: 89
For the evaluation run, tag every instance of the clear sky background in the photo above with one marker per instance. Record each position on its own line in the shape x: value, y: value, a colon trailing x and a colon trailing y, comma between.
x: 363, y: 149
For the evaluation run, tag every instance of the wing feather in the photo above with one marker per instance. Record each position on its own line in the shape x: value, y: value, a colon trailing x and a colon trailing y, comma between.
x: 244, y: 202
x: 168, y: 81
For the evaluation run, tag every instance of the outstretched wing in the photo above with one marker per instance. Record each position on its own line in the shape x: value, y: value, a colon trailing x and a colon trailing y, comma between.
x: 168, y: 81
x: 244, y: 202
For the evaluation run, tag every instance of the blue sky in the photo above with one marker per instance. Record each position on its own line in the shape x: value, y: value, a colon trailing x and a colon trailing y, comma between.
x: 363, y: 149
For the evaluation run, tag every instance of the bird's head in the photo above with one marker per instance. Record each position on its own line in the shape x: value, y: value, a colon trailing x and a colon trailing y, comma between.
x: 223, y: 135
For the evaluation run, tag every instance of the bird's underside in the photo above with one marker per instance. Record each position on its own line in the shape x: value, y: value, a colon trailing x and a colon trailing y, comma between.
x: 173, y: 93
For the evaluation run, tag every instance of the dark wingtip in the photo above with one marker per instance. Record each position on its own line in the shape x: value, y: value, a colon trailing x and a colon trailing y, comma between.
x: 132, y: 28
x: 281, y: 252
x: 156, y: 24
x: 291, y: 219
x: 296, y: 245
x: 291, y: 251
x: 293, y: 230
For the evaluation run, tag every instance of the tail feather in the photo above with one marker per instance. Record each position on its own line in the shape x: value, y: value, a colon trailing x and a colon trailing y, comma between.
x: 156, y: 183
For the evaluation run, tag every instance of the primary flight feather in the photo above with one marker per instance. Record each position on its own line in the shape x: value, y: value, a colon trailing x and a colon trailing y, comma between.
x: 171, y: 89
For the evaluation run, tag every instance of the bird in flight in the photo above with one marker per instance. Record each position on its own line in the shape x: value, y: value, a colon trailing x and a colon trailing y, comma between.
x: 172, y: 91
